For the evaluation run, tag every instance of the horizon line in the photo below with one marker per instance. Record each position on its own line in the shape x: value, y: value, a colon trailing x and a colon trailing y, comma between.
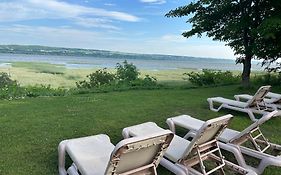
x: 123, y: 52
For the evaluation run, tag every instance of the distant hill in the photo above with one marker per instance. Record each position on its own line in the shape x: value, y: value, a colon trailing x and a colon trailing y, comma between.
x: 59, y: 51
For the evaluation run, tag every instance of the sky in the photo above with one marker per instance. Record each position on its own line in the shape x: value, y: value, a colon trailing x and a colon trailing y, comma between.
x: 136, y: 26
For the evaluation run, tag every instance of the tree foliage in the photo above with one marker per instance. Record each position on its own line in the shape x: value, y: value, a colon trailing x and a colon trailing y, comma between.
x: 250, y: 27
x: 127, y: 72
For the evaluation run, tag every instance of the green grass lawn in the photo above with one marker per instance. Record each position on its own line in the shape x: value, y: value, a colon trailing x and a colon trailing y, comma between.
x: 32, y: 128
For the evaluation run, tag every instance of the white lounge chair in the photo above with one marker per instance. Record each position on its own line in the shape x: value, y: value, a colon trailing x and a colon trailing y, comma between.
x: 188, y: 157
x: 96, y: 155
x: 253, y: 106
x: 237, y: 142
x: 272, y: 100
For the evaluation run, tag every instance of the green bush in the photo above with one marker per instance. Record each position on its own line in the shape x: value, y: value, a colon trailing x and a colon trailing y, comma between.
x: 212, y: 77
x: 97, y: 79
x: 147, y: 81
x: 43, y: 90
x: 267, y: 79
x: 127, y: 72
x: 126, y: 77
x: 13, y: 91
x: 10, y: 89
x: 5, y: 80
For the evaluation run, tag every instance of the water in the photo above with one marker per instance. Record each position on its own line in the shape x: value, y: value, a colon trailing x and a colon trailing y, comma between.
x: 152, y: 63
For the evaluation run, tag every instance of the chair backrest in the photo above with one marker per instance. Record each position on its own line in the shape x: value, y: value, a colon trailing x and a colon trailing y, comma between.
x: 256, y: 124
x: 259, y: 96
x: 139, y: 154
x: 209, y: 131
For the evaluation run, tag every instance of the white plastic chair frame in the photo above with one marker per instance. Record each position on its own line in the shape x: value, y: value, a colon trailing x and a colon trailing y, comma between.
x: 272, y: 100
x: 255, y: 105
x: 235, y: 144
x: 124, y: 151
x: 201, y: 148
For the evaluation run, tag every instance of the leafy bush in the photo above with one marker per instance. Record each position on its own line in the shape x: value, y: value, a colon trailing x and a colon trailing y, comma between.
x: 43, y: 90
x: 267, y: 79
x: 13, y: 91
x: 212, y: 77
x: 127, y: 72
x: 126, y: 77
x: 97, y: 79
x: 147, y: 81
x: 10, y: 89
x: 5, y: 80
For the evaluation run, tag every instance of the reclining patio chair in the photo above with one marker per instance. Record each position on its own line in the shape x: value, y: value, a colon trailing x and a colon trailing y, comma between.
x: 254, y: 105
x: 272, y: 100
x: 189, y: 157
x: 238, y: 142
x: 96, y: 155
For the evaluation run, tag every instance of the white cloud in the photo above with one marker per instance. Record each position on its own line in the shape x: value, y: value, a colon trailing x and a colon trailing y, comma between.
x: 109, y: 4
x: 154, y: 1
x: 20, y: 10
x: 173, y: 38
x: 95, y: 22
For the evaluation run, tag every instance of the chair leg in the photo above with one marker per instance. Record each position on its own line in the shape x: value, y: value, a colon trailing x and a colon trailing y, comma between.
x: 125, y: 133
x: 251, y: 115
x: 234, y: 149
x: 237, y: 97
x: 72, y: 170
x: 210, y: 101
x: 171, y: 125
x: 61, y: 152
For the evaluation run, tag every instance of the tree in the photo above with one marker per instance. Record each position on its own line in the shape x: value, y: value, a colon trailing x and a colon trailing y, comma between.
x: 250, y: 27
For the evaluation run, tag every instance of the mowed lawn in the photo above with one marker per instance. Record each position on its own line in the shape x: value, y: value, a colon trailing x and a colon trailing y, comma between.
x: 31, y: 128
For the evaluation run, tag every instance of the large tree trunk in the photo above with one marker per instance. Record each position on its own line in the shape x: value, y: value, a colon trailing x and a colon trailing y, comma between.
x: 246, y: 71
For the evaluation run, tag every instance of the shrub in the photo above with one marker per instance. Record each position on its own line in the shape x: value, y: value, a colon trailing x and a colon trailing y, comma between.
x: 126, y: 77
x: 5, y: 80
x: 97, y: 79
x: 127, y: 72
x: 43, y: 90
x: 9, y: 89
x: 13, y: 91
x: 212, y: 77
x: 267, y: 79
x: 147, y: 81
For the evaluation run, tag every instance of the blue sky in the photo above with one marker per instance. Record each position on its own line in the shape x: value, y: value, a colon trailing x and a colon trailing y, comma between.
x: 137, y: 26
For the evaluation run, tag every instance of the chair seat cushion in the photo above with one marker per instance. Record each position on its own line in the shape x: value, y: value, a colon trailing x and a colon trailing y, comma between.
x: 177, y: 147
x: 229, y: 102
x: 227, y: 135
x: 90, y: 154
x: 188, y: 122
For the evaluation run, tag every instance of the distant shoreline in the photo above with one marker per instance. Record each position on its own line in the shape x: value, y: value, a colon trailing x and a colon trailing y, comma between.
x: 83, y: 62
x: 63, y: 51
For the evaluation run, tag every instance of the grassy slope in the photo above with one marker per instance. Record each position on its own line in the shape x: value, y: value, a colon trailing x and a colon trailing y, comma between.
x: 32, y: 128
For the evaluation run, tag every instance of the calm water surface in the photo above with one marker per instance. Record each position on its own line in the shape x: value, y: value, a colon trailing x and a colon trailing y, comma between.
x: 169, y: 63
